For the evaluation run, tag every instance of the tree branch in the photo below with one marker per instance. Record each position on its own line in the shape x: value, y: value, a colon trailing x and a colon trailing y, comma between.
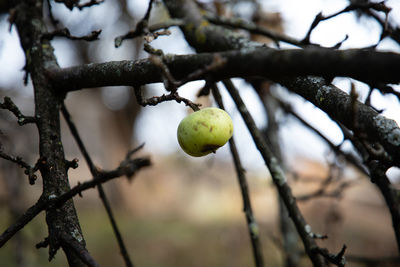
x: 81, y: 251
x: 364, y: 65
x: 278, y: 178
x: 251, y: 222
x: 353, y: 6
x: 94, y: 171
x: 39, y: 55
x: 29, y: 170
x: 127, y: 168
x: 336, y: 149
x: 9, y: 105
x: 338, y: 105
x: 254, y: 29
x: 23, y: 220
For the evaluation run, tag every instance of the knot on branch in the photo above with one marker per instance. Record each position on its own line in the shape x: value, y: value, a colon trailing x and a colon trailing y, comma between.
x: 72, y: 164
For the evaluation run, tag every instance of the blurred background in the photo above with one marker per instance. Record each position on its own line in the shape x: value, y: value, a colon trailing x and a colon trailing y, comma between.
x: 186, y: 211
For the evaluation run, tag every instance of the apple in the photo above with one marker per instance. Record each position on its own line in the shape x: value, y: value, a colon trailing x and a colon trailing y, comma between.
x: 204, y: 131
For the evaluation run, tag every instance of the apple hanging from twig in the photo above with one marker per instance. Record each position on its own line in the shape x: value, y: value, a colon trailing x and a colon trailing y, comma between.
x: 204, y: 131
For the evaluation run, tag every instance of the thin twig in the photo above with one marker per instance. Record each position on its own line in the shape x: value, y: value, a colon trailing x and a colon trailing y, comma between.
x: 251, y: 222
x: 94, y: 171
x: 349, y: 157
x: 386, y: 89
x: 29, y: 170
x: 255, y: 29
x: 142, y: 27
x: 353, y: 6
x: 23, y: 220
x: 94, y: 35
x: 322, y: 191
x: 155, y: 100
x: 389, y: 192
x: 152, y: 31
x: 8, y: 104
x: 89, y: 4
x: 127, y: 168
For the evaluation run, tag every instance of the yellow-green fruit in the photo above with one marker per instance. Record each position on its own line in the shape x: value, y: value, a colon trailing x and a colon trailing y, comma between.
x: 204, y: 131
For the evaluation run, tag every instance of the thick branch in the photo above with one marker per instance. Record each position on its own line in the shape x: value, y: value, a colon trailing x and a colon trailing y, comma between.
x: 314, y: 89
x: 364, y: 65
x: 339, y: 105
x: 40, y: 55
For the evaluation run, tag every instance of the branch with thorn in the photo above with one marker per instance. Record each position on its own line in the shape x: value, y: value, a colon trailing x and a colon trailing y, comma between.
x: 337, y: 259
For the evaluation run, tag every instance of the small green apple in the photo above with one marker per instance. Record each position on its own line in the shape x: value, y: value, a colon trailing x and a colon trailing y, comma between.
x: 204, y: 131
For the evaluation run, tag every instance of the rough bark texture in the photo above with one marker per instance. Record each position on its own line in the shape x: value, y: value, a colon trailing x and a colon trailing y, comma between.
x: 39, y: 56
x: 256, y: 61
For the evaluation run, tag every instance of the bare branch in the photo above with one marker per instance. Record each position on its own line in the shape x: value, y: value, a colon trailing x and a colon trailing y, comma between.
x: 336, y: 149
x: 94, y: 171
x: 278, y: 178
x: 29, y: 170
x: 127, y: 168
x: 333, y: 179
x: 79, y: 249
x: 93, y: 36
x: 278, y: 65
x: 155, y: 100
x: 255, y: 29
x: 89, y: 4
x: 22, y: 120
x: 247, y: 209
x: 22, y: 221
x: 353, y: 6
x: 141, y: 28
x: 75, y: 3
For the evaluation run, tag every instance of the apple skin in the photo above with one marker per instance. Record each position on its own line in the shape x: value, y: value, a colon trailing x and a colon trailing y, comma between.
x: 204, y: 131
